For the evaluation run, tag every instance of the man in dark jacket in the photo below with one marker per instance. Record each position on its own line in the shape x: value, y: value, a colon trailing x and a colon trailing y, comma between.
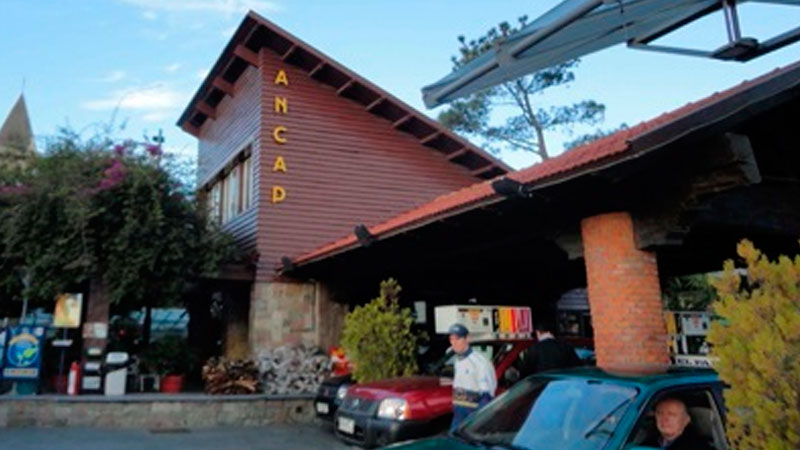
x: 672, y: 421
x: 548, y: 353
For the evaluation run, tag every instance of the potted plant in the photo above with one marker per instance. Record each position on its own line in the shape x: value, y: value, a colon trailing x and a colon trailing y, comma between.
x: 171, y: 358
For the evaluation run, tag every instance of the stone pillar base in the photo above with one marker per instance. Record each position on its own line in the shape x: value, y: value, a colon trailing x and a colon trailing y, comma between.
x: 288, y: 313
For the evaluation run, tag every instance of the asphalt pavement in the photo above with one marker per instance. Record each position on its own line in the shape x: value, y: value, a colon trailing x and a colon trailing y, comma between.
x: 277, y: 437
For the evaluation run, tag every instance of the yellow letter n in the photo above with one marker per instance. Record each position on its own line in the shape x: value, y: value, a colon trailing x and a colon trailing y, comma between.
x: 281, y: 105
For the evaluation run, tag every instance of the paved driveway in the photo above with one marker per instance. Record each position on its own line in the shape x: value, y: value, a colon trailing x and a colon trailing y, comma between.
x: 287, y: 437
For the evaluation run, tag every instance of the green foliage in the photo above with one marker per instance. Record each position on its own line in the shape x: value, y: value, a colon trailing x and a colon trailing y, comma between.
x: 377, y: 337
x: 758, y: 346
x: 526, y: 121
x: 96, y: 210
x: 688, y: 293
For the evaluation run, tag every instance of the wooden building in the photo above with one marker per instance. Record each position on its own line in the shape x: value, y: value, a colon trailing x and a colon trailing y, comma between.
x: 296, y: 150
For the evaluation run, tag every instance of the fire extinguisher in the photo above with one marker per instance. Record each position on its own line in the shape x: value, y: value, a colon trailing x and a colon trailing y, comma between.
x: 74, y: 378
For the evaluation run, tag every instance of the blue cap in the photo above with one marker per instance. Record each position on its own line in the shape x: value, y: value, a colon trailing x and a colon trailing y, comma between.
x: 458, y: 329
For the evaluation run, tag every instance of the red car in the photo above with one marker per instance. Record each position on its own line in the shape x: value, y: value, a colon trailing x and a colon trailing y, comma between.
x: 397, y: 409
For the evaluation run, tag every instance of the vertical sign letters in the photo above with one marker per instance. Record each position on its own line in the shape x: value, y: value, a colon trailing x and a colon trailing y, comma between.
x: 279, y: 136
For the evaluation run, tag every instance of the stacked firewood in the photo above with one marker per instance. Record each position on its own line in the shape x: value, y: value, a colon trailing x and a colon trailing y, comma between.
x: 232, y: 377
x: 293, y: 370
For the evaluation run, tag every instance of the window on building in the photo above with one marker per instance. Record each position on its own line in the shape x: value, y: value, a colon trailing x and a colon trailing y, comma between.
x: 247, y: 184
x: 233, y: 193
x: 215, y: 202
x: 231, y: 188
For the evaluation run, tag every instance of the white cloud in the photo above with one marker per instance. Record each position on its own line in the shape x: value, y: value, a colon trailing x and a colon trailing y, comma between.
x: 208, y: 6
x: 150, y: 99
x: 156, y: 116
x: 172, y: 68
x: 201, y: 74
x: 113, y: 76
x: 150, y: 15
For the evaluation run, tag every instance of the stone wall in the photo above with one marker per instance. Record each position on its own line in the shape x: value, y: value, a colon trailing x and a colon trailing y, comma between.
x: 290, y: 313
x: 156, y: 411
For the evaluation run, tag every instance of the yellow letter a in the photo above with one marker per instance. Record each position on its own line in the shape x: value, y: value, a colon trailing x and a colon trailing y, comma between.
x: 280, y: 165
x: 281, y: 78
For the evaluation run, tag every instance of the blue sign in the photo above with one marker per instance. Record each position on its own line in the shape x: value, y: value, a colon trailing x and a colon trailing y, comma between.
x: 23, y: 353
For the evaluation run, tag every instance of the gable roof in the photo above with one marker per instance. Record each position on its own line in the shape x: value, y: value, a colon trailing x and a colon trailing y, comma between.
x: 16, y: 132
x: 256, y: 32
x: 587, y: 158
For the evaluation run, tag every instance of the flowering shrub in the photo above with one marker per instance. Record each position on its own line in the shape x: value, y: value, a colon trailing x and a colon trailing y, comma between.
x: 100, y: 210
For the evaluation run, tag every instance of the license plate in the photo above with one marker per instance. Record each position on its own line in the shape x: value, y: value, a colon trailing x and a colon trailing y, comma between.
x: 323, y: 408
x: 346, y: 425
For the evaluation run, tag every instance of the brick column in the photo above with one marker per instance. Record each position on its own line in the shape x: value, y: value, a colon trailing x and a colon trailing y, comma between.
x: 624, y: 294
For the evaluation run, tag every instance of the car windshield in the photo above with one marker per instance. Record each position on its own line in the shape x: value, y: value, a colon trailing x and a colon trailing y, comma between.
x: 547, y: 413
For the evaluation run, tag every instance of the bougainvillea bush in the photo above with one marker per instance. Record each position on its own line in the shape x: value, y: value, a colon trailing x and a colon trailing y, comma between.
x: 103, y: 211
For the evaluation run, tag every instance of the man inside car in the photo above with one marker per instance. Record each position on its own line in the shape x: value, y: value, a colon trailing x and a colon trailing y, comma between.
x: 674, y: 433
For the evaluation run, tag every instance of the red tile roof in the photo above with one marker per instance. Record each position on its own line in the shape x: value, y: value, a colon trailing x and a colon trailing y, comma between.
x: 604, y: 149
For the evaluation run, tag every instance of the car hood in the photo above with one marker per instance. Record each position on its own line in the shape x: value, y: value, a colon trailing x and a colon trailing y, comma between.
x: 401, y: 387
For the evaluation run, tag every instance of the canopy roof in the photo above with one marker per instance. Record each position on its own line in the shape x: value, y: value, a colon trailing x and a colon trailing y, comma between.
x: 575, y: 28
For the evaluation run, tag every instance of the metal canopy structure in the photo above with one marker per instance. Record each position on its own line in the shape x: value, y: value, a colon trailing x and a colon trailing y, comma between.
x: 575, y: 28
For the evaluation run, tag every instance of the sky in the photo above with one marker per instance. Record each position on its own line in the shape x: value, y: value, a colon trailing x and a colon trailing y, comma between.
x: 89, y: 63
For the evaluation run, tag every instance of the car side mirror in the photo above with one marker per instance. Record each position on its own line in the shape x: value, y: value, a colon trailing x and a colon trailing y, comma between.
x: 511, y: 375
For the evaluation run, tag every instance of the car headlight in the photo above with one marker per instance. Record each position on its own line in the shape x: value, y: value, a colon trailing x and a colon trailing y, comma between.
x: 393, y: 408
x: 341, y: 392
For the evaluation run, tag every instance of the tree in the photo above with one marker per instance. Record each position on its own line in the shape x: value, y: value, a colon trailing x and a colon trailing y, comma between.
x: 526, y: 126
x: 97, y: 210
x: 757, y: 343
x: 377, y: 337
x: 688, y: 293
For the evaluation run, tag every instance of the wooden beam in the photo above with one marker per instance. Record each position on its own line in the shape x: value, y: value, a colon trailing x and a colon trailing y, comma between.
x: 345, y: 87
x: 249, y: 56
x: 375, y: 103
x: 317, y: 68
x: 223, y: 86
x: 288, y: 53
x: 457, y: 153
x: 430, y: 137
x: 204, y: 108
x: 191, y: 129
x: 402, y: 120
x: 481, y: 170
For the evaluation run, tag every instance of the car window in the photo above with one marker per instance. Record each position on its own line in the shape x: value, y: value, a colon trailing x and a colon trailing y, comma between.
x: 541, y: 413
x: 705, y: 424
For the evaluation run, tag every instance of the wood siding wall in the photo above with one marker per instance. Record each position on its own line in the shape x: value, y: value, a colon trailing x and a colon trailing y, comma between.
x: 221, y: 140
x: 345, y: 166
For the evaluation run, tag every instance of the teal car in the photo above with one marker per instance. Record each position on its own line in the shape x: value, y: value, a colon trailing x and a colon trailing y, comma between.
x: 588, y: 409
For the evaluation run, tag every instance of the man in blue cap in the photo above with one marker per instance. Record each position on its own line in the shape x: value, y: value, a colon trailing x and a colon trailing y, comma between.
x: 474, y: 382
